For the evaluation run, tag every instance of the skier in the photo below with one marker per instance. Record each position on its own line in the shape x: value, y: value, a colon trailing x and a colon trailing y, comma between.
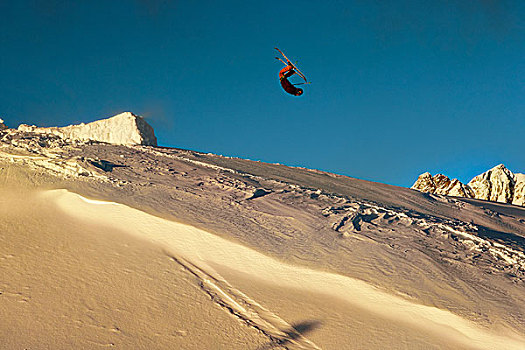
x: 286, y: 73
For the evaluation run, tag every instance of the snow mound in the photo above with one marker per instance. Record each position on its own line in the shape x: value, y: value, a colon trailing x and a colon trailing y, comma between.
x: 122, y: 129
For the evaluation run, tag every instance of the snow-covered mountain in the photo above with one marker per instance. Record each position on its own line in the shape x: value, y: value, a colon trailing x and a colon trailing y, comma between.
x: 498, y: 184
x: 126, y: 246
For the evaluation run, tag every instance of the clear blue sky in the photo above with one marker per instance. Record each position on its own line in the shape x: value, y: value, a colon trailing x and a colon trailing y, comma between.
x: 399, y: 87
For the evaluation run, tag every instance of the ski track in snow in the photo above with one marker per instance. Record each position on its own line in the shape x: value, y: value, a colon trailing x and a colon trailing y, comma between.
x: 197, y: 249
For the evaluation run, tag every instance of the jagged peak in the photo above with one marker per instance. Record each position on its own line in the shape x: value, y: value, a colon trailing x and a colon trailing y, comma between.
x: 496, y: 184
x: 499, y: 166
x: 498, y: 171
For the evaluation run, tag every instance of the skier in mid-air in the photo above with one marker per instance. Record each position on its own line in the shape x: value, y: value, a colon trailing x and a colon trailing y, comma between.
x: 286, y: 73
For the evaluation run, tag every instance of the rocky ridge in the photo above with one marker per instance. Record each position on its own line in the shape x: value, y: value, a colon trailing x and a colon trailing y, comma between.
x: 498, y: 184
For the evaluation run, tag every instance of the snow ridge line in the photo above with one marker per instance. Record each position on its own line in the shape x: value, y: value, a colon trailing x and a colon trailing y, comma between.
x: 216, y: 167
x: 248, y: 310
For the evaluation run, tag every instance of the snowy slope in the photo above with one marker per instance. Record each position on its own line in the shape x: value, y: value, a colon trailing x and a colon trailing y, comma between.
x: 293, y: 257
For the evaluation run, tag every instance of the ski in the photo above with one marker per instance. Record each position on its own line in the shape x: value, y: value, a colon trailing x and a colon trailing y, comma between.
x: 293, y: 65
x: 302, y: 83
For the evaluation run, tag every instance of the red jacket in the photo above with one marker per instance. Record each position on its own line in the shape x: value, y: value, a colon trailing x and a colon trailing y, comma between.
x: 284, y: 74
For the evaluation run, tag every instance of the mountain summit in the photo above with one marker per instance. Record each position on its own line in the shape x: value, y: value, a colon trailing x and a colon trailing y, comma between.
x: 498, y: 184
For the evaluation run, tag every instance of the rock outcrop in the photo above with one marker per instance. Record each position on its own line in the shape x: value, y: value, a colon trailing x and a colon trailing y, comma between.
x: 2, y: 125
x: 441, y: 184
x: 519, y: 190
x: 123, y: 129
x: 498, y: 184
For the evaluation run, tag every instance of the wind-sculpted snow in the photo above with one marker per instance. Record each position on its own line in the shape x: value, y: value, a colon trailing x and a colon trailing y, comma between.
x: 460, y: 255
x: 122, y: 129
x: 461, y: 238
x: 198, y: 250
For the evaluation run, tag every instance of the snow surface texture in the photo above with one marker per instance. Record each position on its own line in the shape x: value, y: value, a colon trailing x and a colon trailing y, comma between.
x: 198, y: 249
x: 123, y: 129
x: 498, y: 184
x: 144, y: 247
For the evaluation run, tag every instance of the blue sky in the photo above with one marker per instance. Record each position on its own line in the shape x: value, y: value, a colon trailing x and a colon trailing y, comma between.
x: 398, y: 88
